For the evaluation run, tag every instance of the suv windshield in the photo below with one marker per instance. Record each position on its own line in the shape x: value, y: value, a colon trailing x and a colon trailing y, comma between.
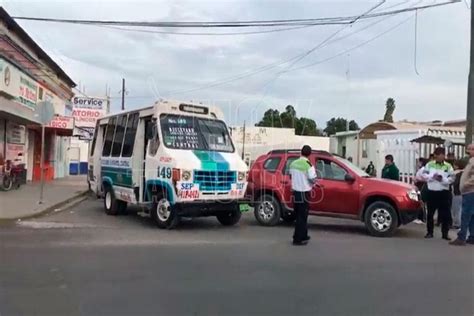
x: 186, y: 132
x: 354, y: 168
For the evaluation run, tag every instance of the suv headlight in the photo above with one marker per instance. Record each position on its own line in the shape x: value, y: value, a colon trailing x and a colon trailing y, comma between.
x: 241, y: 176
x: 186, y: 175
x: 413, y: 195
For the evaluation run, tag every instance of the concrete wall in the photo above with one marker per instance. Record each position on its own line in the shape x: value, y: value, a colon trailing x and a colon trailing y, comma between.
x: 261, y: 140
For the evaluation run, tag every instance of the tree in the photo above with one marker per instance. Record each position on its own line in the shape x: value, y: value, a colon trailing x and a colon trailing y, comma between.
x: 339, y: 124
x: 289, y: 119
x: 389, y: 109
x: 271, y: 118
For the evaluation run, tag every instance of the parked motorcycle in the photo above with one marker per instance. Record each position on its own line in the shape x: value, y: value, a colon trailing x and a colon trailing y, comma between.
x: 10, y: 176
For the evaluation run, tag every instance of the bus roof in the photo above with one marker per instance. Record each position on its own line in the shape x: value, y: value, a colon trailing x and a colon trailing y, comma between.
x: 176, y: 107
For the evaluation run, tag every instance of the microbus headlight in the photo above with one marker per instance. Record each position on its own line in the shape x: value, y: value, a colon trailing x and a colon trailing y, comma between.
x: 241, y: 176
x: 413, y: 195
x: 186, y: 175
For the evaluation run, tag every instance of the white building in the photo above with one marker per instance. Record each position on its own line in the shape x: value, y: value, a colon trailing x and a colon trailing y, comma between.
x: 260, y: 140
x: 379, y: 139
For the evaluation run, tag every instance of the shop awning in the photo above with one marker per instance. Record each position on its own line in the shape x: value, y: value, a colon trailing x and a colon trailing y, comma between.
x: 60, y: 126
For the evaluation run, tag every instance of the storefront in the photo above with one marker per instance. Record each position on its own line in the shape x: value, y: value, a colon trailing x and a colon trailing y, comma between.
x: 20, y: 129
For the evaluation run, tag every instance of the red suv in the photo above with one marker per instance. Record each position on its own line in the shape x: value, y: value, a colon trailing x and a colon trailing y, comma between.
x: 342, y: 190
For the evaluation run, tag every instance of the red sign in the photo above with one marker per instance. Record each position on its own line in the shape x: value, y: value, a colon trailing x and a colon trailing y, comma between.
x: 62, y: 122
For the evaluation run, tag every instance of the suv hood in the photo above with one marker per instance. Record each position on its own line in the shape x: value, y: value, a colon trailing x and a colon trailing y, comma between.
x: 386, y: 182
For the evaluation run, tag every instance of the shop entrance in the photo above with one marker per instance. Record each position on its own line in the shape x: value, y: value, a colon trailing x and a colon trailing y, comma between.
x: 48, y: 167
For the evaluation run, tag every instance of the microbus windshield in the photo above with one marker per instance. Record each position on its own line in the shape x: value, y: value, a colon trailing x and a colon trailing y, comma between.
x: 186, y: 132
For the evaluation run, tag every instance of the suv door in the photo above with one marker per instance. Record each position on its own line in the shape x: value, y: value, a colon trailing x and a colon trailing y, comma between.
x: 285, y: 181
x: 333, y: 194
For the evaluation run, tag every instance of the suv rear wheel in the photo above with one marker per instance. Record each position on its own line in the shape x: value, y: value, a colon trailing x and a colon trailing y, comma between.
x: 267, y: 210
x: 381, y: 219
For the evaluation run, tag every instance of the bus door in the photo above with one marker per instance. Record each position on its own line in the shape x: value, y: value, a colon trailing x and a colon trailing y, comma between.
x: 148, y: 134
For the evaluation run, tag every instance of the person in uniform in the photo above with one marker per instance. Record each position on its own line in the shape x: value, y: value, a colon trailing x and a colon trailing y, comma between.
x: 303, y: 176
x: 439, y: 175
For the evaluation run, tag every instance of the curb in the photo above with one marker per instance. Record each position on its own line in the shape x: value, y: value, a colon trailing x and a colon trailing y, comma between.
x: 72, y: 201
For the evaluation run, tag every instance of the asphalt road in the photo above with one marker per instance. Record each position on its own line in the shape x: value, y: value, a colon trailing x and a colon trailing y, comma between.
x: 83, y: 262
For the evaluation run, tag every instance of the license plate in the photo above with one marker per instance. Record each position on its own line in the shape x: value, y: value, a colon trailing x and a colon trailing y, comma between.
x: 244, y: 207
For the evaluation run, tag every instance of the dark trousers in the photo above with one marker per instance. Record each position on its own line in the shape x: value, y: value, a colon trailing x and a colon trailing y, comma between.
x: 439, y: 201
x: 301, y: 212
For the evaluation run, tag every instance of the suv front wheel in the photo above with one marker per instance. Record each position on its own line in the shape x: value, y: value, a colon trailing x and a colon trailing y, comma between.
x: 381, y: 219
x: 267, y: 210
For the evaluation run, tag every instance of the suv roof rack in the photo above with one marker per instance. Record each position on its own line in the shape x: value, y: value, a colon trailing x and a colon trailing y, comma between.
x: 294, y: 151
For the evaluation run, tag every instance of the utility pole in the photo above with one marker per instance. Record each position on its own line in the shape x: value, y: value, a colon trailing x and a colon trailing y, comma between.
x: 123, y: 94
x: 470, y: 88
x: 243, y: 143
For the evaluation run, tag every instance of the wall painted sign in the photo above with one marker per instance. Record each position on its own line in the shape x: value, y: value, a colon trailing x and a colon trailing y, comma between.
x: 18, y: 85
x: 86, y: 110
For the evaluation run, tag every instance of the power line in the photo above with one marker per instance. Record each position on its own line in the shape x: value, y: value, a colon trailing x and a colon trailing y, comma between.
x: 264, y: 68
x: 344, y: 52
x: 207, y: 33
x: 235, y: 24
x: 354, y: 47
x: 256, y: 71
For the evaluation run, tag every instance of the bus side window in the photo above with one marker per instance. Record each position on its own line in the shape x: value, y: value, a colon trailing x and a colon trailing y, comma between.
x: 119, y: 135
x: 109, y: 137
x: 129, y: 140
x: 94, y: 139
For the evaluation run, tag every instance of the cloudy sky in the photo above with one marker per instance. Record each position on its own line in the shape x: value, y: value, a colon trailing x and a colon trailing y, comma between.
x: 354, y: 85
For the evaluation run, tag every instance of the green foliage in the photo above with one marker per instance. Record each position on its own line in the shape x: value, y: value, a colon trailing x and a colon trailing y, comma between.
x: 389, y: 109
x: 339, y: 124
x: 289, y: 119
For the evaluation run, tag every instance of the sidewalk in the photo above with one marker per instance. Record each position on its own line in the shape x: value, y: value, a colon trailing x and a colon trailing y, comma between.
x: 24, y: 201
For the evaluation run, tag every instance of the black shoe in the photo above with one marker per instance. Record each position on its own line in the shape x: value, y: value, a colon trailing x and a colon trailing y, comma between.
x: 307, y: 238
x: 447, y: 238
x: 300, y: 243
x: 470, y: 241
x: 429, y: 236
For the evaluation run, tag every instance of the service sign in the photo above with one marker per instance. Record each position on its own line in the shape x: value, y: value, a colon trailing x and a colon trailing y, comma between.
x: 62, y: 122
x: 86, y: 110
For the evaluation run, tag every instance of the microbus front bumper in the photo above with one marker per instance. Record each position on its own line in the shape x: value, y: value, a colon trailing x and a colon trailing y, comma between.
x: 210, y: 208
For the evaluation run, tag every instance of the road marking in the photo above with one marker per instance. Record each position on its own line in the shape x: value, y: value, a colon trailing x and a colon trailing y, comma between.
x: 51, y: 225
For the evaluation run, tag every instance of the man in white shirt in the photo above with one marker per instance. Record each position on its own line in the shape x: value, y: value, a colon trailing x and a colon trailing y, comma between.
x: 303, y: 176
x: 439, y: 175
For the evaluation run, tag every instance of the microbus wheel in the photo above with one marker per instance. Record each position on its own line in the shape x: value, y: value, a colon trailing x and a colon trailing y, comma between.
x: 110, y: 202
x: 267, y: 210
x: 229, y: 218
x: 163, y: 213
x: 381, y: 219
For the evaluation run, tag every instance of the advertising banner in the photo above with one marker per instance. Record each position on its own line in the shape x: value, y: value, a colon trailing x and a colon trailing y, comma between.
x: 18, y: 85
x: 62, y: 122
x: 86, y: 110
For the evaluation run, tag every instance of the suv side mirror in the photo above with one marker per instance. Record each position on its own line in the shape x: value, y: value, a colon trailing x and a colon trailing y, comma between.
x: 349, y: 178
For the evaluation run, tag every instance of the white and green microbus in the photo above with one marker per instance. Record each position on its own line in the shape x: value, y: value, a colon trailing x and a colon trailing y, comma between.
x: 175, y: 158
